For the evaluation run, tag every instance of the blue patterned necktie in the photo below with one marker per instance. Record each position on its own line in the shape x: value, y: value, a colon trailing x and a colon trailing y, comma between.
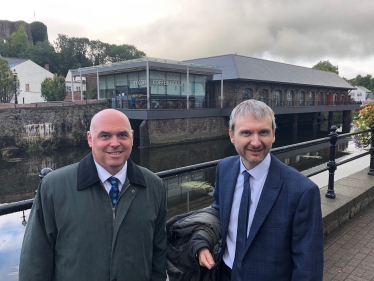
x: 114, y: 191
x: 241, y: 237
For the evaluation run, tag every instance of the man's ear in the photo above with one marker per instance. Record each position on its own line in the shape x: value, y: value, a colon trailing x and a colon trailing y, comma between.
x: 89, y: 138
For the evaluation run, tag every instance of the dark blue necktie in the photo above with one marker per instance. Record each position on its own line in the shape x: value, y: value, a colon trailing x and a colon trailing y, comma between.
x: 114, y: 191
x: 245, y: 202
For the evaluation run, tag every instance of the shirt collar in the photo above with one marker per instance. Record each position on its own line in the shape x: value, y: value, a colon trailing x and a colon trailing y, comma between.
x: 260, y: 170
x: 104, y: 174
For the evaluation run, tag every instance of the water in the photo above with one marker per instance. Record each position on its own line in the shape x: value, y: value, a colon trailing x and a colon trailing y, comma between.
x: 19, y: 179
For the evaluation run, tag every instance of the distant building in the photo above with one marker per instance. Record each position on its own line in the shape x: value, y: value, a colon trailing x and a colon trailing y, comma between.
x: 77, y: 85
x: 30, y: 76
x: 360, y: 94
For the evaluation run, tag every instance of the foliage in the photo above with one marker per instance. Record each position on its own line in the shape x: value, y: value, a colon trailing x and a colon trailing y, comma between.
x: 38, y: 32
x: 364, y: 121
x: 53, y: 89
x: 7, y: 87
x: 366, y: 81
x: 66, y: 52
x: 91, y: 94
x: 16, y: 45
x: 43, y: 53
x: 123, y: 52
x: 327, y: 66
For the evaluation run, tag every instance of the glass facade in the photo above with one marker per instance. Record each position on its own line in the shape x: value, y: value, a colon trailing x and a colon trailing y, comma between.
x: 167, y: 89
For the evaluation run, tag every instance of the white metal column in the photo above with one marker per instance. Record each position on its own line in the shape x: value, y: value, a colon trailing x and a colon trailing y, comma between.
x: 80, y: 74
x: 97, y: 81
x: 221, y: 88
x: 72, y: 88
x: 148, y: 94
x: 188, y: 84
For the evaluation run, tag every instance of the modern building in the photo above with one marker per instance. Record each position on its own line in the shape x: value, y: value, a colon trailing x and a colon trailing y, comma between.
x: 171, y: 101
x: 361, y: 94
x: 30, y: 76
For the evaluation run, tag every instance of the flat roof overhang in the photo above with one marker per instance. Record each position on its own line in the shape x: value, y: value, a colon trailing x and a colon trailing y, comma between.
x: 141, y: 65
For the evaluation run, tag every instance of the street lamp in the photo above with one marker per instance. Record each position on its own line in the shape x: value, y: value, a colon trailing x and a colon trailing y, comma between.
x: 15, y: 86
x: 24, y: 218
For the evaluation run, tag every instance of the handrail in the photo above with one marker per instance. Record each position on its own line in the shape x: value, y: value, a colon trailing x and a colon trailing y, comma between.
x: 331, y: 166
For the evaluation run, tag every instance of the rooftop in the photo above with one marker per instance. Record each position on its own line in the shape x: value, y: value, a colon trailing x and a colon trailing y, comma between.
x: 237, y: 67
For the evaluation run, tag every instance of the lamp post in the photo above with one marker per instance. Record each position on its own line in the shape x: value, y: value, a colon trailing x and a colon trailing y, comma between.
x: 15, y: 86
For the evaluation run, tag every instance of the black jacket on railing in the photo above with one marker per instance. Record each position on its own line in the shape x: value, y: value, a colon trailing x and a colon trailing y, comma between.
x: 186, y: 234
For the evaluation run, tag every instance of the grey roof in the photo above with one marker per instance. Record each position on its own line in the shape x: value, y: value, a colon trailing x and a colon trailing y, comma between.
x: 247, y: 68
x: 14, y: 61
x: 364, y: 89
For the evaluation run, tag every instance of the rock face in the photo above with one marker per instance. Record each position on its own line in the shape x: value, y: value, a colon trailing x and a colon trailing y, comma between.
x: 8, y: 27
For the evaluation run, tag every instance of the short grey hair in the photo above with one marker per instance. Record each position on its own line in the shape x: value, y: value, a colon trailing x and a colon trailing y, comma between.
x: 258, y: 109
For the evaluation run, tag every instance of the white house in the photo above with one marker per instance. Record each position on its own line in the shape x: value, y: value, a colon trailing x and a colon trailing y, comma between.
x: 360, y: 93
x: 77, y: 85
x: 30, y: 76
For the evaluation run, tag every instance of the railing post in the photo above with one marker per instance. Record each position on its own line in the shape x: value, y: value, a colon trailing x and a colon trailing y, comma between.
x: 331, y: 164
x: 371, y: 171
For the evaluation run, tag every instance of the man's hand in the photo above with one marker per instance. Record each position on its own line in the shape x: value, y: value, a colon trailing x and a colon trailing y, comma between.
x: 205, y: 258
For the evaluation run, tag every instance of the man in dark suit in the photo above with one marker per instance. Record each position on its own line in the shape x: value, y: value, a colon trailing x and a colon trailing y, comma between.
x: 276, y: 234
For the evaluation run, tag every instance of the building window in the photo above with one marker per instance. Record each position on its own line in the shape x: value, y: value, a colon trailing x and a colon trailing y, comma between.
x: 301, y: 98
x: 68, y: 88
x: 264, y: 96
x: 27, y: 87
x: 277, y: 98
x: 78, y: 88
x: 311, y: 98
x: 247, y: 94
x: 290, y: 97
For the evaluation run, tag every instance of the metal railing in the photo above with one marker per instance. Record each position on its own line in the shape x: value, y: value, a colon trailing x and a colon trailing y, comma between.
x: 331, y: 166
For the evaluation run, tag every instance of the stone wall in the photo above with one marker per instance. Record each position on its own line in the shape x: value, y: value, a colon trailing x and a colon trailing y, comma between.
x: 8, y: 27
x: 163, y: 132
x: 54, y: 125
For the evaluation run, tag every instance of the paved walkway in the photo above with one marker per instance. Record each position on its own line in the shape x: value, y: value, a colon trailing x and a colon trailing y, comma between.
x: 349, y: 250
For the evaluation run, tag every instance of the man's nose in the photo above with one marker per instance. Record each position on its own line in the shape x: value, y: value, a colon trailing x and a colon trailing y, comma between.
x: 114, y: 141
x: 255, y: 140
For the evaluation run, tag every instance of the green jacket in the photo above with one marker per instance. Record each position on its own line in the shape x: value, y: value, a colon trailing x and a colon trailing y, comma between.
x: 73, y: 233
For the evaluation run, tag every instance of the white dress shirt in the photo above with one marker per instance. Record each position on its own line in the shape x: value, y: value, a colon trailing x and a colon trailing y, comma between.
x: 257, y: 180
x: 104, y: 175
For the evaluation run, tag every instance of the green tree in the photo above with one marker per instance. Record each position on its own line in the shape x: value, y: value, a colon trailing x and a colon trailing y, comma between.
x: 327, y: 66
x: 7, y: 87
x: 123, y: 52
x: 53, y: 89
x: 38, y: 32
x: 19, y: 42
x: 366, y: 81
x: 43, y: 53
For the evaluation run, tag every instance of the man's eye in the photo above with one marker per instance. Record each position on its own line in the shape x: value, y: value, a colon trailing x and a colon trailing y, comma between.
x: 124, y: 135
x: 104, y: 136
x: 264, y: 133
x: 245, y: 133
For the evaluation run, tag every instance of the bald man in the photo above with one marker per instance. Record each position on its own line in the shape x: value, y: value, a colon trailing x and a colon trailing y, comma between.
x: 100, y: 219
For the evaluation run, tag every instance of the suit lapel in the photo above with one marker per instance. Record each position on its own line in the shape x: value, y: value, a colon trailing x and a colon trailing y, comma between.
x: 268, y: 197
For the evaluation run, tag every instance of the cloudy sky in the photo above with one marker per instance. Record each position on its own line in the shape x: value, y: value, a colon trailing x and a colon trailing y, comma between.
x: 300, y: 32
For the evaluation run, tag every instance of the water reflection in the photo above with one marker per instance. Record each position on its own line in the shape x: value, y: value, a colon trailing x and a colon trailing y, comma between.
x: 12, y: 230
